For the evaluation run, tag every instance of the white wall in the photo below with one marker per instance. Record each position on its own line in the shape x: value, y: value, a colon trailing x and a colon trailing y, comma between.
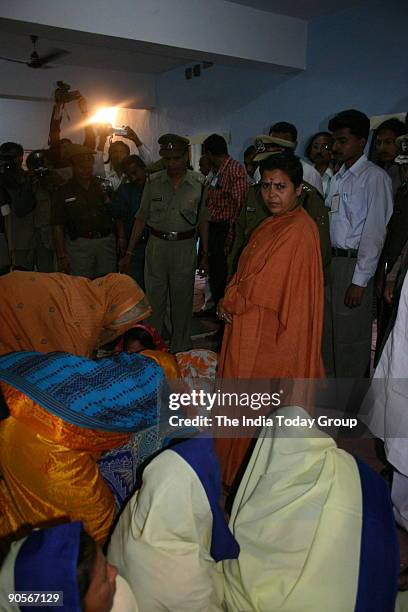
x: 354, y: 60
x: 27, y: 123
x: 144, y: 123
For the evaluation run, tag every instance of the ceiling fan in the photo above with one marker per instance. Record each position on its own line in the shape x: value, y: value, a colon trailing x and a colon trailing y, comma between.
x: 35, y: 60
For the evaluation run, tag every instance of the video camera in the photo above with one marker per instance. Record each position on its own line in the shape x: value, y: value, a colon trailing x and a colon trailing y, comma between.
x: 7, y: 164
x: 63, y: 94
x: 37, y: 163
x: 106, y: 185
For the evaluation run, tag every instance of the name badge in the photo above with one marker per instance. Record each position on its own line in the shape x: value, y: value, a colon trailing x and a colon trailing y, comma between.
x: 158, y: 199
x: 214, y: 181
x: 69, y: 200
x: 250, y: 209
x: 335, y: 201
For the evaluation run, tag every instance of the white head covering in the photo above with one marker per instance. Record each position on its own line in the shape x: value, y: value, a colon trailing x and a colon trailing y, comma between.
x: 162, y: 542
x: 294, y: 495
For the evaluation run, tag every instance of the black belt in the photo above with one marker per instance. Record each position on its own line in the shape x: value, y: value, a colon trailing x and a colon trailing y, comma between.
x: 93, y: 235
x: 172, y: 235
x: 351, y: 253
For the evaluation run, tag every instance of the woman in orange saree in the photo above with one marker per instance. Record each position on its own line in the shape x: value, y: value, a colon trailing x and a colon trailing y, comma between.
x: 273, y: 306
x: 57, y: 312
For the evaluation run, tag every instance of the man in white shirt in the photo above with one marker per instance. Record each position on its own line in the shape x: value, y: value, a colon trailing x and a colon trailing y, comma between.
x: 360, y: 202
x: 118, y: 150
x: 319, y: 153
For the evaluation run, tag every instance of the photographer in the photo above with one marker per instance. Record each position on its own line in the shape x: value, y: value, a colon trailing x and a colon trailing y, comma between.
x: 45, y: 183
x: 17, y: 202
x: 117, y: 152
x: 58, y: 146
x: 84, y: 231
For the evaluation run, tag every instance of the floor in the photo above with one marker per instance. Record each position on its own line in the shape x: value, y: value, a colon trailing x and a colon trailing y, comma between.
x: 204, y: 330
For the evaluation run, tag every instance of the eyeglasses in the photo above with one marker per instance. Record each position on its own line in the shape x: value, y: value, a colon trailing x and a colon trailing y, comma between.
x: 321, y: 147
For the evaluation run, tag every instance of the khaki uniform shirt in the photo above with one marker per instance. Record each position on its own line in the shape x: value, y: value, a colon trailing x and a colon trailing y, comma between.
x: 167, y: 209
x: 82, y: 211
x: 255, y: 211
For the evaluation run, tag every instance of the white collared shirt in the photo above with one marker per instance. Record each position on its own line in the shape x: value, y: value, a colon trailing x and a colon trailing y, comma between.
x: 360, y: 199
x: 326, y: 180
x: 106, y: 170
x: 112, y: 176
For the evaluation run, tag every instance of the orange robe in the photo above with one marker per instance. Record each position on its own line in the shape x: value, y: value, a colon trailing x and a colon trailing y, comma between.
x: 49, y: 470
x: 57, y: 312
x: 276, y: 302
x: 166, y: 361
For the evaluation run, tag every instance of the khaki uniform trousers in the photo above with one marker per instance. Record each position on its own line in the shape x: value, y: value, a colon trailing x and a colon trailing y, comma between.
x: 169, y: 272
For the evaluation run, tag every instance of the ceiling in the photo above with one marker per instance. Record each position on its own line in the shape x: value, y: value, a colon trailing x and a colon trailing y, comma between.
x: 303, y: 9
x: 112, y: 53
x: 89, y: 50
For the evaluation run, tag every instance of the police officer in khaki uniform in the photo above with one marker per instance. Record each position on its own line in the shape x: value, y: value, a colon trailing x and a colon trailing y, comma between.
x: 255, y: 211
x: 172, y: 208
x: 84, y: 230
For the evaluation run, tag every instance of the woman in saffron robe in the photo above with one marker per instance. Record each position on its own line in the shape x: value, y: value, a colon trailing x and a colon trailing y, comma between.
x: 273, y: 306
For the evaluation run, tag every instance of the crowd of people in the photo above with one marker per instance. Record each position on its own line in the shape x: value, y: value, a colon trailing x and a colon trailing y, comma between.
x: 98, y: 262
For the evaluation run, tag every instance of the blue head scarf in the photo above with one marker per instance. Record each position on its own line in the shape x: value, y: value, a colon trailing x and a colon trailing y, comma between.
x: 114, y: 394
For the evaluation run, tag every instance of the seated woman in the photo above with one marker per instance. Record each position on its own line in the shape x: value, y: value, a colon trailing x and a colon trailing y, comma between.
x: 121, y: 466
x: 66, y: 563
x: 64, y: 412
x: 314, y: 527
x: 173, y: 533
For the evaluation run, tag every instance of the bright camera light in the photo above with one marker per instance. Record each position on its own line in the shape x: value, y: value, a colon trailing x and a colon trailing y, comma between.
x: 105, y: 115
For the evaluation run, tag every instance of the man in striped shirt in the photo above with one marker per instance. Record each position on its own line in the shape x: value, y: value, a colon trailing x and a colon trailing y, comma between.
x: 226, y: 194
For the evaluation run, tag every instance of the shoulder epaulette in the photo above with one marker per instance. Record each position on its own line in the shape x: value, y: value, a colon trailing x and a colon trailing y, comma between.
x: 200, y: 178
x: 156, y: 175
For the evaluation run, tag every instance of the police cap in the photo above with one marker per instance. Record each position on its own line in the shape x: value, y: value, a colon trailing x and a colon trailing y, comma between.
x: 172, y: 145
x: 268, y: 145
